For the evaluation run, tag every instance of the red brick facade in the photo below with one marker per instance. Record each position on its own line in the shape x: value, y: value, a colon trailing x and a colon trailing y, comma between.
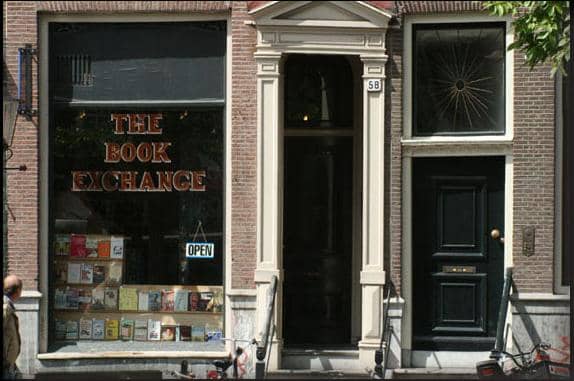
x: 533, y: 147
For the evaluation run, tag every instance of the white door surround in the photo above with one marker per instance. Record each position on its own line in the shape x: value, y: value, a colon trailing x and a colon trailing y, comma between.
x: 327, y: 27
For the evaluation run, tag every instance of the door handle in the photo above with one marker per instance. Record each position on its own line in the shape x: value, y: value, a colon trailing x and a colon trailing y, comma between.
x: 495, y: 235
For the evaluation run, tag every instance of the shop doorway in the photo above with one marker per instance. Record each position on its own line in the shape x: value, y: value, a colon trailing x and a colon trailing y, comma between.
x: 319, y: 189
x: 458, y: 257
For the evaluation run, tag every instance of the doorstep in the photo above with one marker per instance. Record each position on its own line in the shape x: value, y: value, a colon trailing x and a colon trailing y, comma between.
x: 304, y: 374
x: 435, y: 373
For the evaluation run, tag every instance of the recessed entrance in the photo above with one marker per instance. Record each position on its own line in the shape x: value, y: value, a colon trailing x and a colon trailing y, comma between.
x: 319, y: 189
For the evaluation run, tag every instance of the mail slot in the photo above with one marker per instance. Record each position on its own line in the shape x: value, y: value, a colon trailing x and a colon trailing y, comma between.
x: 459, y: 269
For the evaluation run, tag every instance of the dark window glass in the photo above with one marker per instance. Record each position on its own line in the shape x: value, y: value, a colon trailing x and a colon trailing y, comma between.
x: 458, y: 79
x: 318, y: 92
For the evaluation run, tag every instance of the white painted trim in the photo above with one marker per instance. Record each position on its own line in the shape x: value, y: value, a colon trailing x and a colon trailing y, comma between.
x: 539, y: 296
x: 31, y: 295
x: 559, y: 157
x: 444, y: 146
x: 44, y: 158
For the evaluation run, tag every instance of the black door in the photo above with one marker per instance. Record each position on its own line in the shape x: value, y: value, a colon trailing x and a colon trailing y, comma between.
x: 317, y: 234
x: 457, y: 265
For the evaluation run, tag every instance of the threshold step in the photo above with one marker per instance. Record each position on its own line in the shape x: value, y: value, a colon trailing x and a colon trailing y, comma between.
x: 435, y: 373
x: 304, y: 374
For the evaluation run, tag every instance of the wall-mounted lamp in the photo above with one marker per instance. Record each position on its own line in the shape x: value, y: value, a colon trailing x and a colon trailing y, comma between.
x: 25, y: 81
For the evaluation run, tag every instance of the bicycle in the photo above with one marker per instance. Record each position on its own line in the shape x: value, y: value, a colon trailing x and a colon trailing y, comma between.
x: 535, y: 364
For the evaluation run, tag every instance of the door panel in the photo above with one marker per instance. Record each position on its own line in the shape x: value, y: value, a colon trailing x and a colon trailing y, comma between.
x: 457, y: 266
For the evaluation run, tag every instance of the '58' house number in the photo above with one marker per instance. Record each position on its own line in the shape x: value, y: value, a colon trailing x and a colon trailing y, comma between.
x: 374, y: 85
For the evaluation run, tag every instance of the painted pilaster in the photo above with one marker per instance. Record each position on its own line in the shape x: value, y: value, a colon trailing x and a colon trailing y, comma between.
x: 372, y: 273
x: 270, y: 194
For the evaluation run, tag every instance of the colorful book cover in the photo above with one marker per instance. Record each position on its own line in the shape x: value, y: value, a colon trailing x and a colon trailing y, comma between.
x: 115, y: 273
x: 177, y: 333
x: 217, y: 300
x: 74, y: 273
x: 180, y: 300
x: 99, y: 275
x: 167, y: 300
x: 127, y: 329
x: 193, y: 301
x: 84, y: 299
x: 98, y: 298
x: 112, y: 329
x: 204, y: 301
x: 111, y: 298
x: 154, y: 301
x: 143, y: 301
x: 85, y: 329
x: 92, y: 246
x: 117, y: 247
x: 197, y: 333
x: 140, y: 330
x: 128, y: 299
x: 71, y: 330
x: 185, y: 332
x: 78, y: 245
x: 87, y: 273
x: 98, y: 329
x: 62, y: 244
x: 60, y: 330
x: 104, y: 248
x: 213, y: 334
x: 72, y: 299
x: 61, y: 272
x: 60, y: 298
x: 153, y: 330
x: 168, y: 333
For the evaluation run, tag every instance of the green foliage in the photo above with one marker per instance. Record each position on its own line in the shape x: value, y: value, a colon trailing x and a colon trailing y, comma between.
x: 541, y: 30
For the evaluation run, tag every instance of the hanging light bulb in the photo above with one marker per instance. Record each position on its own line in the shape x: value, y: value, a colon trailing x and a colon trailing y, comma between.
x: 305, y: 117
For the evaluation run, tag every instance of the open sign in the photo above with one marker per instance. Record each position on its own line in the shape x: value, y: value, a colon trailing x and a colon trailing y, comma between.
x: 199, y: 250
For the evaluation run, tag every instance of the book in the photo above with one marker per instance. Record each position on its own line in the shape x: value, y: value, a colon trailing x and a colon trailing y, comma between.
x: 74, y: 273
x: 99, y: 274
x: 184, y: 332
x: 87, y: 273
x: 116, y: 247
x: 104, y: 248
x: 167, y: 299
x: 78, y: 245
x: 112, y: 329
x: 72, y: 299
x: 197, y: 333
x: 153, y: 330
x: 60, y: 298
x: 98, y: 329
x: 128, y: 299
x: 62, y: 244
x: 217, y: 300
x: 213, y: 334
x: 177, y: 333
x: 92, y: 246
x: 60, y: 330
x: 154, y: 301
x: 115, y: 273
x: 127, y: 329
x: 204, y: 301
x: 61, y: 272
x: 140, y: 330
x: 168, y: 333
x: 111, y: 298
x: 98, y: 298
x: 193, y: 300
x: 180, y: 300
x: 71, y: 330
x: 85, y: 329
x: 84, y: 299
x: 143, y: 301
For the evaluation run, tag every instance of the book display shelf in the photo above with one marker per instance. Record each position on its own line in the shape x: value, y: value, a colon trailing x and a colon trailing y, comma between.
x: 90, y: 302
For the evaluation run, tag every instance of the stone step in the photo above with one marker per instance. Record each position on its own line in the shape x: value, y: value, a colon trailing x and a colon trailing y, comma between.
x: 302, y: 374
x: 435, y: 373
x: 321, y: 360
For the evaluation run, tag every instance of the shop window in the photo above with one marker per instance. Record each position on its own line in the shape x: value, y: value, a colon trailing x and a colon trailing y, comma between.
x: 458, y: 79
x: 136, y: 210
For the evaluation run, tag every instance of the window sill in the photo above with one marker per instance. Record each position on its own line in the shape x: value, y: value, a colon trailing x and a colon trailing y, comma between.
x: 208, y: 355
x: 458, y: 146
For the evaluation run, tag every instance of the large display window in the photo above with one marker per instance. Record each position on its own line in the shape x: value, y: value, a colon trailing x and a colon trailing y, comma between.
x: 136, y: 193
